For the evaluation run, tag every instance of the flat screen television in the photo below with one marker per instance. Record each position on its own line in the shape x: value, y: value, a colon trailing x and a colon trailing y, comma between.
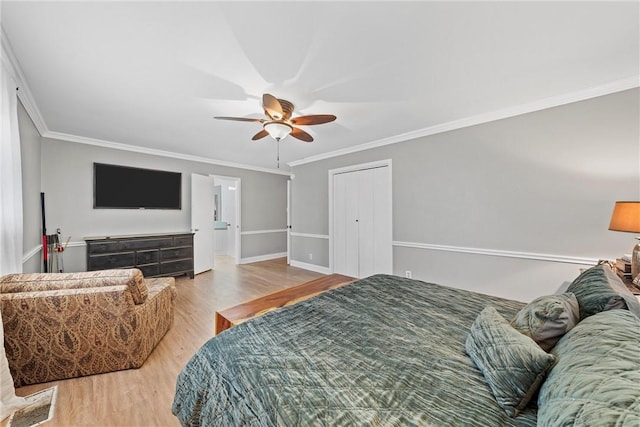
x: 124, y: 187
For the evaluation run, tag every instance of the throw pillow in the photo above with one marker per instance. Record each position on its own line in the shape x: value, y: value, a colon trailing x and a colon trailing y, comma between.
x: 548, y: 318
x: 597, y: 378
x: 600, y: 289
x: 513, y: 365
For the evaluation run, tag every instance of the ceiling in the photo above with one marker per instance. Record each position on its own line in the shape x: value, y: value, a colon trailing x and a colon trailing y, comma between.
x: 152, y: 75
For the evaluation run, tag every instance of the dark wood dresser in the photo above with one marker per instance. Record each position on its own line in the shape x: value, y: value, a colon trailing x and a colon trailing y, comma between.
x: 156, y: 255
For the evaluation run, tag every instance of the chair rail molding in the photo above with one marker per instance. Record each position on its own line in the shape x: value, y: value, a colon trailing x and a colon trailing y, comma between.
x: 37, y: 249
x: 499, y: 253
x: 310, y: 235
x: 248, y: 233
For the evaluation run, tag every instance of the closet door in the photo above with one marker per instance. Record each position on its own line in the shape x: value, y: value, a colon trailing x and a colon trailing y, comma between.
x: 374, y: 222
x: 362, y: 222
x: 345, y: 230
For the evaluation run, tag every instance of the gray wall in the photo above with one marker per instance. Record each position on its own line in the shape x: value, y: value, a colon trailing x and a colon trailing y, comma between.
x: 67, y: 180
x: 31, y: 165
x: 540, y: 183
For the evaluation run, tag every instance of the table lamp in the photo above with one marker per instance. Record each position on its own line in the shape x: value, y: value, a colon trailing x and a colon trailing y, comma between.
x: 626, y: 217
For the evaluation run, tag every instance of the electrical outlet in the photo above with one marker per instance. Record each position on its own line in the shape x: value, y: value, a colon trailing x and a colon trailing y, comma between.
x: 407, y: 274
x: 310, y: 257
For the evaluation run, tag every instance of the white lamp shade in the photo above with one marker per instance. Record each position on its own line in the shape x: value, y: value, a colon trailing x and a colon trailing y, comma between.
x: 278, y: 130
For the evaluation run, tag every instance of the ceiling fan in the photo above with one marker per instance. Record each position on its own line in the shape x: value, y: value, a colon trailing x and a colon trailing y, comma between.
x: 279, y: 123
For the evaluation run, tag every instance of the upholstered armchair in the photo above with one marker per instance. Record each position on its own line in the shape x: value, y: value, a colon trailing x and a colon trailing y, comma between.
x: 65, y: 325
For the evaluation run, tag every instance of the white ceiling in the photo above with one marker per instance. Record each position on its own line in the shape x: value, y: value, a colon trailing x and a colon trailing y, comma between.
x: 153, y: 74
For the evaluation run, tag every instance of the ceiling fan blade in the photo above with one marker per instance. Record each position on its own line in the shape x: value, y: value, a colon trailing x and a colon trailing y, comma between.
x: 316, y: 119
x: 272, y: 106
x: 241, y: 119
x: 260, y: 135
x: 301, y: 135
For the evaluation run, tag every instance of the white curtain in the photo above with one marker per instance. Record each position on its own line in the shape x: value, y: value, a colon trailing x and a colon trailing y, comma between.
x: 10, y: 218
x: 10, y: 180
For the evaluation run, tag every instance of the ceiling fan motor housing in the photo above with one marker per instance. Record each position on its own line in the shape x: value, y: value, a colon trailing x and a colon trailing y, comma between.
x: 287, y: 110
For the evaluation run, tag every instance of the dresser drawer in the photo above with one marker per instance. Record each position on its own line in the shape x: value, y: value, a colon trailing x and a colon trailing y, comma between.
x: 147, y: 257
x: 186, y: 240
x: 149, y: 270
x: 176, y: 253
x: 176, y: 266
x: 119, y: 260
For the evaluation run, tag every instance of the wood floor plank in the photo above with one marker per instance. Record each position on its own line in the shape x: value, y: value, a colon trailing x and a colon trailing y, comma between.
x: 143, y: 397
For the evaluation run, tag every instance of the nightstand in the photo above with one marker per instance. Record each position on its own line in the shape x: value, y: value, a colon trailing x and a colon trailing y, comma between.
x: 633, y: 288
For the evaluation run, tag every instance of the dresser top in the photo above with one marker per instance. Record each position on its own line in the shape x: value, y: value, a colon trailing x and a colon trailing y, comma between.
x: 136, y: 236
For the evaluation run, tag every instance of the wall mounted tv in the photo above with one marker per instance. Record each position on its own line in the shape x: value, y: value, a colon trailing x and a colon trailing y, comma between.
x: 123, y: 187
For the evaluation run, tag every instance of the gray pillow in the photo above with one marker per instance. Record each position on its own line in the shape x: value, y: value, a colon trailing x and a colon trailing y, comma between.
x: 548, y: 318
x: 513, y: 365
x: 600, y: 289
x: 597, y: 378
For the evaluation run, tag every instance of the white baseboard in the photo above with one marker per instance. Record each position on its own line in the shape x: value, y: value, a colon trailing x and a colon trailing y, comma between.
x: 259, y: 258
x: 311, y: 267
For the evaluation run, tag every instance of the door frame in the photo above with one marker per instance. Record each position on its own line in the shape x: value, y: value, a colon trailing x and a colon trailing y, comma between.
x: 238, y: 203
x: 355, y: 168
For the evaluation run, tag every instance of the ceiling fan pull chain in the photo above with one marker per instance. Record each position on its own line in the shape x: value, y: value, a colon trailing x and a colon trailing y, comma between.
x: 278, y: 152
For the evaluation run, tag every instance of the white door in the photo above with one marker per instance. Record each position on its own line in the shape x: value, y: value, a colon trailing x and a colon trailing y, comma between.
x: 366, y: 230
x: 345, y: 225
x: 231, y: 200
x: 202, y: 207
x: 288, y: 222
x: 362, y: 227
x: 375, y: 254
x: 238, y: 225
x: 229, y: 215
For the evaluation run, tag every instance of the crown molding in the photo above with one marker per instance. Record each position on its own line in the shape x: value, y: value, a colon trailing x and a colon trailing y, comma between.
x: 24, y: 93
x: 517, y: 110
x: 154, y: 152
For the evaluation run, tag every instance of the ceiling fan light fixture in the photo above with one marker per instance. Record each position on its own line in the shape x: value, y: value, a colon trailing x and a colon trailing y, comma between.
x: 278, y: 130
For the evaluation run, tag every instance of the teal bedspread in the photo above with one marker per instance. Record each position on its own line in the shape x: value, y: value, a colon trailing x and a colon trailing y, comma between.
x: 383, y: 351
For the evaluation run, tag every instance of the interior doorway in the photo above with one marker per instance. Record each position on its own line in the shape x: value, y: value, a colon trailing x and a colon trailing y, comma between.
x: 227, y: 218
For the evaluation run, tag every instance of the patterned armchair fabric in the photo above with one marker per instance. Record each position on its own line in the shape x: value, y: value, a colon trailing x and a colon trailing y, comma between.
x: 66, y: 325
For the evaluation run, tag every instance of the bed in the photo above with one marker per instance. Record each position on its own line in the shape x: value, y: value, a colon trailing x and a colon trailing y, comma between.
x: 381, y: 351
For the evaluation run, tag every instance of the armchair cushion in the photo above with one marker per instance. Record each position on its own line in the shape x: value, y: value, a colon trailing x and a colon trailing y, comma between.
x: 132, y: 278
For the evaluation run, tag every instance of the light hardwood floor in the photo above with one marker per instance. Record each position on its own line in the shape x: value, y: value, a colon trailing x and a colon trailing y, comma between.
x: 143, y: 397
